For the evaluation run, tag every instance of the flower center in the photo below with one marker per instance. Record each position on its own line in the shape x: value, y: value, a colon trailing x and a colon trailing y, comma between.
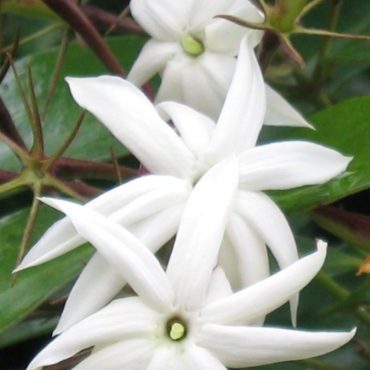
x: 176, y: 329
x: 191, y: 45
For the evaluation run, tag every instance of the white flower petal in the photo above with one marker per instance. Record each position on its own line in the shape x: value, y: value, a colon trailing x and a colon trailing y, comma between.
x: 203, y: 12
x: 228, y: 261
x: 62, y: 237
x: 265, y: 296
x: 151, y: 60
x: 133, y: 354
x: 59, y: 239
x: 132, y: 118
x: 188, y: 357
x: 165, y: 357
x: 289, y: 164
x: 195, y: 128
x: 164, y: 20
x: 219, y: 287
x: 243, y: 112
x: 157, y: 230
x: 238, y: 347
x: 258, y: 210
x: 200, y: 83
x: 120, y: 320
x: 152, y: 203
x: 223, y: 36
x: 125, y: 252
x: 251, y: 254
x: 97, y: 285
x: 197, y: 358
x: 279, y: 112
x: 200, y: 233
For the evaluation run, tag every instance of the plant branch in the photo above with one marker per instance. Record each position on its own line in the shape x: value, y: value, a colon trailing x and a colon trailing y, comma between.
x: 74, y: 16
x: 6, y: 176
x: 71, y: 168
x: 7, y: 126
x: 57, y: 71
x: 102, y: 18
x: 30, y: 224
x: 38, y: 137
x: 67, y: 142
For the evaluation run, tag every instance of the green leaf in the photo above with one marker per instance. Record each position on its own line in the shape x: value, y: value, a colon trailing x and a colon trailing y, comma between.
x: 344, y: 127
x: 93, y: 141
x: 20, y: 296
x: 27, y: 330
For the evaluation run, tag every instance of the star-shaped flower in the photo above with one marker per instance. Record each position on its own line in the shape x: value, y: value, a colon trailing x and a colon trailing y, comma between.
x: 195, y: 53
x: 151, y: 206
x: 187, y: 317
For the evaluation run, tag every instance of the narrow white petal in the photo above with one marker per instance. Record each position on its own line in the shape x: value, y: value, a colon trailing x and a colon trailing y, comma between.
x: 251, y: 253
x: 171, y: 88
x: 289, y: 164
x: 200, y: 83
x: 152, y: 203
x: 121, y: 320
x: 223, y: 36
x: 227, y: 259
x: 243, y: 112
x: 219, y: 286
x: 238, y: 347
x: 187, y: 357
x: 198, y: 358
x: 281, y: 113
x: 204, y: 11
x: 62, y: 237
x: 164, y: 20
x: 99, y: 283
x: 157, y: 230
x: 132, y: 118
x: 202, y: 227
x: 125, y: 252
x: 133, y: 354
x: 195, y: 128
x: 59, y: 239
x: 265, y: 296
x: 269, y: 222
x: 151, y: 60
x: 263, y: 215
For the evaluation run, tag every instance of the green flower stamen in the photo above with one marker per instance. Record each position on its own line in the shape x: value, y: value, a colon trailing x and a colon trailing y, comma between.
x: 176, y: 330
x: 191, y: 45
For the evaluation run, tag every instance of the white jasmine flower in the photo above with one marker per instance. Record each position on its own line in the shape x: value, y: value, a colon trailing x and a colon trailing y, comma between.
x: 151, y: 206
x: 187, y: 317
x: 195, y: 53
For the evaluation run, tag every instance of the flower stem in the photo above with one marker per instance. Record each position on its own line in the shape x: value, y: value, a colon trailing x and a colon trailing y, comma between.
x: 57, y: 70
x: 73, y: 15
x: 341, y: 293
x: 34, y: 36
x: 30, y: 224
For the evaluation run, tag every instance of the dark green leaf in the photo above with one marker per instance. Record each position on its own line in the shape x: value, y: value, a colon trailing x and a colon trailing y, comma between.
x: 20, y: 296
x: 93, y: 141
x: 345, y: 127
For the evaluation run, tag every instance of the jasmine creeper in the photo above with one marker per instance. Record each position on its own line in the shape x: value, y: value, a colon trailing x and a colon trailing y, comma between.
x: 179, y: 157
x: 187, y: 317
x: 195, y: 54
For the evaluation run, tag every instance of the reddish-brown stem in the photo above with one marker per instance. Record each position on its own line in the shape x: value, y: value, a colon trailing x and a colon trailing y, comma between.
x: 8, y: 127
x: 104, y: 19
x: 6, y: 176
x: 71, y: 168
x: 74, y: 16
x: 86, y: 191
